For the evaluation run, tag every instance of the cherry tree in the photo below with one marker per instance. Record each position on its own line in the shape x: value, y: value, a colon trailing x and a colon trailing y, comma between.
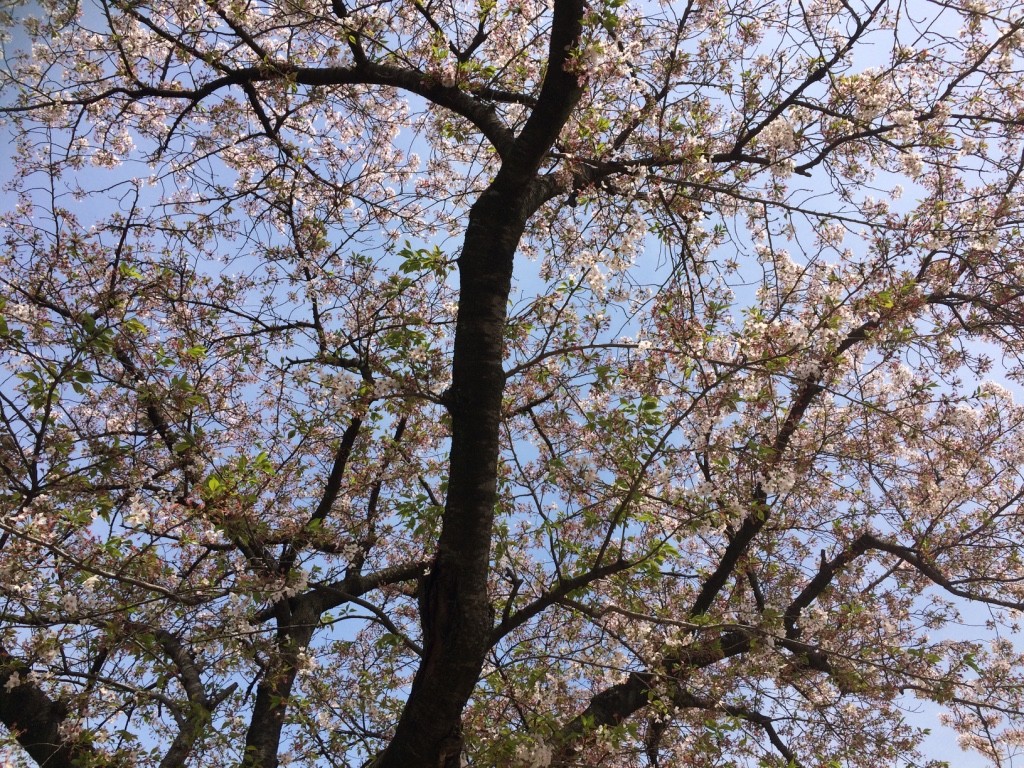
x: 510, y: 383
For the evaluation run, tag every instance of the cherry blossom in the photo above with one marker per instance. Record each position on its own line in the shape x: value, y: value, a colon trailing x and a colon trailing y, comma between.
x: 510, y: 383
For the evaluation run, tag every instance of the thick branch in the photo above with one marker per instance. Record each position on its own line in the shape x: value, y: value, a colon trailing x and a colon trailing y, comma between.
x: 615, y: 704
x: 326, y: 597
x: 194, y: 723
x: 455, y: 612
x: 34, y: 719
x: 559, y: 94
x: 294, y: 631
x: 473, y: 108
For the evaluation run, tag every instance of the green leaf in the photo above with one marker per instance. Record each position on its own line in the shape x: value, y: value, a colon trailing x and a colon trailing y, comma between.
x: 134, y: 327
x: 127, y: 270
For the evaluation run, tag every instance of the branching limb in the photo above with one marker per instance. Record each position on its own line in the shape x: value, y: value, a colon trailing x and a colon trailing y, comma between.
x: 35, y: 719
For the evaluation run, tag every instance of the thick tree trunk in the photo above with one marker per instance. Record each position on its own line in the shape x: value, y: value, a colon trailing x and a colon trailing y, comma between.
x: 457, y: 616
x: 35, y: 720
x: 263, y: 739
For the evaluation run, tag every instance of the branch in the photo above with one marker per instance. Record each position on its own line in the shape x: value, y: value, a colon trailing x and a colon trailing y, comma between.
x: 615, y: 704
x: 755, y: 521
x: 295, y: 627
x: 930, y: 571
x: 34, y: 719
x: 558, y: 96
x: 766, y: 724
x: 813, y: 77
x: 382, y: 618
x: 176, y: 597
x: 826, y: 571
x: 330, y: 494
x: 326, y: 597
x: 544, y: 355
x: 193, y: 724
x: 558, y: 593
x: 467, y: 104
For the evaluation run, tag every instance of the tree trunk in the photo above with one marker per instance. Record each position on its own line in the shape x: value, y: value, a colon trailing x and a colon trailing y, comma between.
x: 456, y: 614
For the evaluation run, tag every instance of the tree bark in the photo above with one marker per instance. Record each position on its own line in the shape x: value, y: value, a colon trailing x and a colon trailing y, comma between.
x: 35, y: 720
x: 456, y: 614
x: 295, y: 630
x: 457, y: 617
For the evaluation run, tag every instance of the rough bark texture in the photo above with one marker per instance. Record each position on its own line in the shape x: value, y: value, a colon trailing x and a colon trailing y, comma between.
x: 457, y: 616
x: 263, y: 739
x: 35, y: 719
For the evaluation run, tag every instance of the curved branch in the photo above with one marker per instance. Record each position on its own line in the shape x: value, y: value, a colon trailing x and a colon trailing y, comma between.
x: 616, y: 703
x: 325, y: 597
x: 329, y: 496
x: 464, y: 103
x: 558, y: 593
